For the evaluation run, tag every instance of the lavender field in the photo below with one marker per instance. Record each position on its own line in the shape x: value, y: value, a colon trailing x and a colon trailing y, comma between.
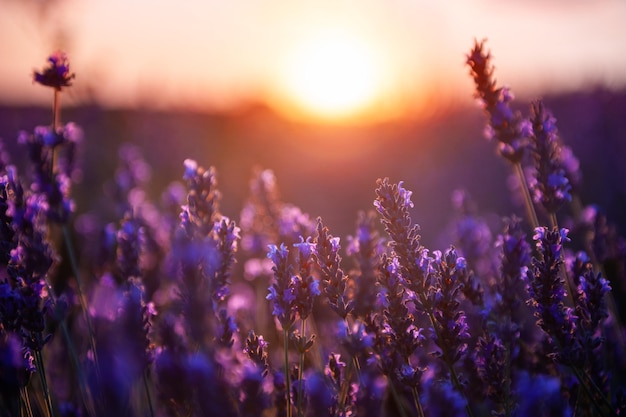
x: 239, y: 264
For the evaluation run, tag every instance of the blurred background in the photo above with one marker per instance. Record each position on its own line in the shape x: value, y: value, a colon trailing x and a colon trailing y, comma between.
x: 330, y: 95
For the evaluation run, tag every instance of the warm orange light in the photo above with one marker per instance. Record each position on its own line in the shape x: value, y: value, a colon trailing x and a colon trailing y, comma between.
x: 332, y: 75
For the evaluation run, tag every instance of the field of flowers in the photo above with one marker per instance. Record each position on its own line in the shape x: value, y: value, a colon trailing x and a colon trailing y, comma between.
x: 174, y: 309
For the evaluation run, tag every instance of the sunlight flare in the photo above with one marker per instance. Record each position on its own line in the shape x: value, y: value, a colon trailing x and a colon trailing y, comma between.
x: 332, y: 74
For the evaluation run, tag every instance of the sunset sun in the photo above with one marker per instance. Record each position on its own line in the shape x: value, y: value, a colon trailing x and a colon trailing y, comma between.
x: 332, y: 75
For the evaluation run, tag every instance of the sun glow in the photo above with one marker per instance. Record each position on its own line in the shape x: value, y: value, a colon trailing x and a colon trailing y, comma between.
x: 332, y: 75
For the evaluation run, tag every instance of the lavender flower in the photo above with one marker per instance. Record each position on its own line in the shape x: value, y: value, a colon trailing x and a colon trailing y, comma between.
x: 397, y: 336
x: 365, y: 248
x: 256, y: 349
x: 451, y: 331
x: 334, y: 279
x: 57, y: 74
x: 305, y: 285
x: 282, y: 292
x: 253, y: 399
x: 50, y: 180
x: 551, y: 187
x: 261, y: 212
x: 546, y: 290
x: 393, y: 202
x: 505, y: 125
x: 491, y: 358
x: 205, y: 246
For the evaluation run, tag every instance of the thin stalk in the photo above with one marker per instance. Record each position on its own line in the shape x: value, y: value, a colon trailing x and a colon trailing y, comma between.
x: 56, y: 110
x: 81, y: 297
x: 570, y: 290
x: 397, y: 398
x: 507, y: 379
x: 453, y: 376
x: 588, y: 390
x: 343, y: 394
x: 418, y: 404
x: 84, y: 389
x: 528, y: 201
x: 44, y: 383
x: 300, y: 373
x: 148, y: 395
x: 287, y: 383
x: 25, y: 400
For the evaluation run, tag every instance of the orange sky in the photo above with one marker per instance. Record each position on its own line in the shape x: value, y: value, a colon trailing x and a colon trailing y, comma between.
x: 199, y: 53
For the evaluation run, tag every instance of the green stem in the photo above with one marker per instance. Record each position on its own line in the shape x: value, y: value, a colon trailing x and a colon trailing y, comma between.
x: 555, y: 225
x: 418, y: 404
x: 81, y: 297
x: 44, y: 383
x: 56, y: 110
x: 25, y: 402
x: 287, y: 383
x: 588, y: 390
x: 528, y: 201
x: 507, y: 378
x: 397, y: 398
x: 300, y: 373
x: 148, y: 395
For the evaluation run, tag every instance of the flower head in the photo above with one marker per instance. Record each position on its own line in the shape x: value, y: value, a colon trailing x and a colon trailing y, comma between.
x: 505, y: 125
x: 57, y: 74
x: 551, y: 185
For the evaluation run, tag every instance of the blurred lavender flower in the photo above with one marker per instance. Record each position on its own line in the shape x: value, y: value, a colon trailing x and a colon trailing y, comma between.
x: 443, y: 400
x: 253, y: 401
x: 260, y: 214
x: 546, y: 289
x: 540, y: 396
x: 505, y: 125
x: 204, y: 245
x: 57, y: 74
x: 365, y: 248
x: 256, y: 350
x: 53, y: 180
x: 551, y: 186
x: 492, y: 361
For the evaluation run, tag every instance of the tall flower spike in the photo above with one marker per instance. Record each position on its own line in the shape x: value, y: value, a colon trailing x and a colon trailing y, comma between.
x: 551, y: 187
x: 365, y: 248
x: 393, y: 202
x: 282, y: 292
x: 57, y: 74
x: 334, y: 279
x: 305, y: 285
x: 546, y: 289
x: 452, y: 331
x: 505, y: 125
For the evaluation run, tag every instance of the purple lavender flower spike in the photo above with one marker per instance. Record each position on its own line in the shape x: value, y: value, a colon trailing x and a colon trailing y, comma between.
x: 551, y: 185
x: 397, y: 336
x: 491, y: 362
x: 334, y: 280
x: 546, y: 289
x: 505, y: 125
x: 282, y: 291
x: 256, y: 350
x: 365, y: 247
x: 53, y: 183
x: 393, y: 203
x: 451, y: 329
